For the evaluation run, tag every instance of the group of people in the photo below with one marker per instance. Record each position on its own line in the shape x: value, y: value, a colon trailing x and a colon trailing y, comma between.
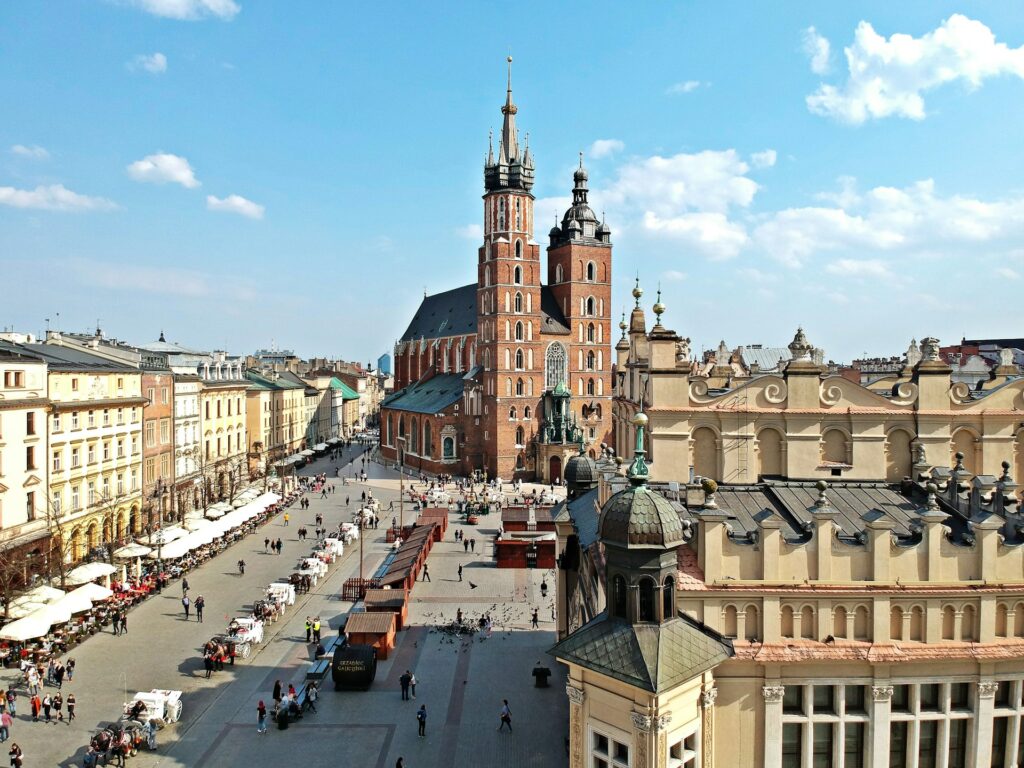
x: 273, y: 545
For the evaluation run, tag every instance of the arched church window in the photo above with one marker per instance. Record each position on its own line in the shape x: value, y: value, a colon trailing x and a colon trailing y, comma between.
x: 591, y: 270
x: 520, y: 436
x: 519, y: 359
x: 526, y: 412
x: 519, y: 387
x: 519, y: 331
x: 428, y: 439
x: 558, y: 273
x: 590, y: 361
x: 517, y: 275
x: 554, y: 365
x: 590, y: 305
x: 519, y: 302
x: 646, y: 600
x: 512, y: 413
x: 487, y: 277
x: 519, y: 249
x: 590, y: 386
x: 668, y: 598
x: 590, y: 333
x: 619, y: 596
x: 448, y: 447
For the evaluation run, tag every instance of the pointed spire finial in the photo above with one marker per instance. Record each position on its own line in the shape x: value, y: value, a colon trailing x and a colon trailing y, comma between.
x: 637, y: 472
x: 490, y: 147
x: 637, y: 292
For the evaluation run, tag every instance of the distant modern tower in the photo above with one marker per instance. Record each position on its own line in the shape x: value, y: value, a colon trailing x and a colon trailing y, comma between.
x: 384, y: 364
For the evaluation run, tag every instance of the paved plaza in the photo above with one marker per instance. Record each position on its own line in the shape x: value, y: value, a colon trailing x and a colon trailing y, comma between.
x: 461, y: 681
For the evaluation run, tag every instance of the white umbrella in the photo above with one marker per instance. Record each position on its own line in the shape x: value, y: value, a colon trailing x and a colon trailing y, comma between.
x: 72, y: 602
x: 169, y: 535
x: 29, y: 628
x: 41, y: 594
x: 89, y: 571
x: 213, y: 512
x: 21, y: 610
x: 94, y: 592
x: 132, y: 550
x: 197, y: 523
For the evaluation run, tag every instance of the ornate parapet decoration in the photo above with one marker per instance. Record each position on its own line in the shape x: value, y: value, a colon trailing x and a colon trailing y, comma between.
x: 881, y: 692
x: 773, y: 694
x: 987, y: 689
x: 576, y: 695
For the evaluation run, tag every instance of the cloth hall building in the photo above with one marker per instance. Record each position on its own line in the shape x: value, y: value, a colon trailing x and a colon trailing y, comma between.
x: 508, y: 375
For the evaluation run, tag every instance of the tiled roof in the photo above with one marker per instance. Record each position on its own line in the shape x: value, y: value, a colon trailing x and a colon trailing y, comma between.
x: 522, y: 514
x: 430, y: 396
x: 640, y: 517
x: 552, y: 319
x: 347, y: 393
x: 652, y: 657
x: 452, y: 313
x: 384, y: 598
x: 72, y: 359
x: 766, y: 358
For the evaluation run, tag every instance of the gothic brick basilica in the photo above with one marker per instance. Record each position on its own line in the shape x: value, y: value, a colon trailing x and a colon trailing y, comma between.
x: 508, y: 375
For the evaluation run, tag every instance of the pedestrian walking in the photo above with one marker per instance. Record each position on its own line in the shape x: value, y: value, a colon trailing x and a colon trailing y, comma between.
x: 184, y: 586
x: 312, y: 694
x: 287, y: 517
x: 47, y: 704
x: 412, y: 684
x: 58, y: 706
x: 460, y: 571
x: 266, y: 544
x: 316, y: 629
x: 115, y: 622
x: 17, y: 756
x: 72, y: 703
x: 505, y: 716
x: 58, y: 675
x: 421, y: 719
x: 261, y: 717
x: 200, y: 604
x: 465, y: 544
x: 12, y: 702
x: 151, y: 733
x: 472, y: 545
x: 186, y: 604
x: 279, y: 546
x: 5, y: 727
x: 400, y: 763
x: 277, y: 691
x: 533, y: 619
x: 208, y: 664
x: 405, y: 680
x: 71, y: 669
x: 124, y: 622
x: 426, y: 573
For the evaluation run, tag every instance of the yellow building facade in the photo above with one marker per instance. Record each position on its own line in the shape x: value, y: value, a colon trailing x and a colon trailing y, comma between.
x: 223, y: 461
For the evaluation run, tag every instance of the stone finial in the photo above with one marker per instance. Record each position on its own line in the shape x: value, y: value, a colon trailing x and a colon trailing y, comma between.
x: 1005, y: 357
x: 930, y: 349
x: 1005, y: 477
x: 659, y: 309
x: 722, y: 355
x: 913, y: 354
x: 822, y: 502
x: 933, y: 504
x: 800, y: 348
x: 710, y: 487
x: 959, y: 468
x: 637, y: 292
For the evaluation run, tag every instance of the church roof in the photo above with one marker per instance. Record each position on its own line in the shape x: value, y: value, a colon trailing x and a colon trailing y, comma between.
x: 430, y: 396
x: 652, y: 657
x: 453, y: 313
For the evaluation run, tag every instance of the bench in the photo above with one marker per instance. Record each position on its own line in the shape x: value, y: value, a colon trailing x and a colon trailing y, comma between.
x: 318, y: 670
x: 333, y: 644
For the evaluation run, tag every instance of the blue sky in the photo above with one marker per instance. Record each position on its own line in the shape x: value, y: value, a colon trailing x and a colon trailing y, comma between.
x: 241, y: 171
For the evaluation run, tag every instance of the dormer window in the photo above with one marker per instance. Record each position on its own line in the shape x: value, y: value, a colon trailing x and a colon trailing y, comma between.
x: 588, y: 229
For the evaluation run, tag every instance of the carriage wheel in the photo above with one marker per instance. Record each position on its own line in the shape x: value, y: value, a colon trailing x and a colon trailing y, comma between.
x: 244, y: 652
x: 174, y: 711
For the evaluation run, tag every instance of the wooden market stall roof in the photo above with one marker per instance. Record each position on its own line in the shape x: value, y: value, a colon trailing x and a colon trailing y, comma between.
x: 365, y: 623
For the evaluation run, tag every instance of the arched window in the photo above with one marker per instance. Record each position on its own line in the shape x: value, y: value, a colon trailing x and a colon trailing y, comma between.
x: 519, y: 360
x: 448, y: 447
x: 526, y: 412
x: 558, y: 273
x: 487, y: 276
x: 520, y: 435
x: 519, y: 248
x: 512, y: 412
x: 401, y: 427
x: 519, y: 302
x: 390, y: 427
x: 508, y: 387
x: 590, y: 305
x: 501, y: 213
x: 519, y: 331
x: 415, y: 447
x: 597, y: 410
x: 590, y: 332
x: 519, y: 387
x: 519, y: 219
x: 520, y: 461
x: 668, y: 596
x: 590, y: 386
x: 517, y: 275
x: 590, y: 271
x: 619, y: 596
x: 590, y: 361
x: 554, y: 365
x: 427, y: 439
x: 646, y: 600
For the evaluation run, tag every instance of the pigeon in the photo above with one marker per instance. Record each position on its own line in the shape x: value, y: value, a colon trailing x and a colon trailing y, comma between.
x: 472, y: 585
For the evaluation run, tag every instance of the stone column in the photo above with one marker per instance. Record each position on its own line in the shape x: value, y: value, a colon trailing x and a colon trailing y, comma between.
x: 983, y: 724
x: 576, y: 750
x: 650, y: 740
x: 881, y: 708
x: 773, y: 725
x: 707, y: 750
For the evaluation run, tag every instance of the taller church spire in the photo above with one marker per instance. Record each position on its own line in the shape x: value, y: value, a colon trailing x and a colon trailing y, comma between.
x: 512, y: 169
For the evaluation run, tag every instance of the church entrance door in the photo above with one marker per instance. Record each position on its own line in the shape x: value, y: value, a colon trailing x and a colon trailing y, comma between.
x: 555, y: 469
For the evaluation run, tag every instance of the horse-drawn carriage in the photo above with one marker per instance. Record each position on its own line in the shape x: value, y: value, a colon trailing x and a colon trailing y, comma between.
x: 161, y: 705
x: 246, y: 630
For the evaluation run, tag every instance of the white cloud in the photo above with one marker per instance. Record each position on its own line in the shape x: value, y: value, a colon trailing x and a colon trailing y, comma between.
x: 687, y: 198
x: 470, y: 231
x: 874, y: 268
x: 34, y: 152
x: 888, y: 77
x: 235, y: 204
x: 818, y: 50
x: 163, y: 168
x: 189, y: 10
x: 605, y: 147
x: 167, y: 281
x: 154, y: 63
x: 673, y: 275
x: 1007, y: 273
x: 765, y: 159
x: 55, y: 197
x: 686, y: 86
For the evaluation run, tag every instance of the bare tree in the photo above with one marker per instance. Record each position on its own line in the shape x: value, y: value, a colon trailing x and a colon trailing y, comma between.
x: 14, y: 565
x: 62, y: 544
x: 109, y: 505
